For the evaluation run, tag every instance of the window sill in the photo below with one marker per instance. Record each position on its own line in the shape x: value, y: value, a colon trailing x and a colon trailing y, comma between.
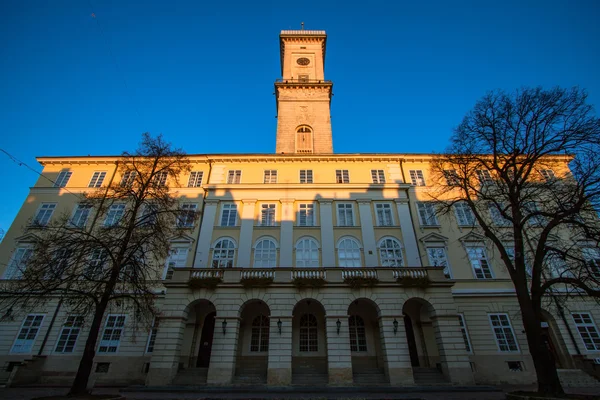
x: 227, y: 227
x: 431, y: 226
x: 387, y: 226
x: 267, y: 226
x: 308, y: 226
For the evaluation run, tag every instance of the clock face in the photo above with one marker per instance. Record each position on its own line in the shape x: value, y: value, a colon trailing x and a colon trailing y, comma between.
x: 303, y: 61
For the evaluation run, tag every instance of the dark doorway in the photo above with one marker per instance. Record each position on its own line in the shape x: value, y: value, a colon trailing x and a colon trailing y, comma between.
x: 410, y: 338
x: 547, y: 338
x: 206, y: 339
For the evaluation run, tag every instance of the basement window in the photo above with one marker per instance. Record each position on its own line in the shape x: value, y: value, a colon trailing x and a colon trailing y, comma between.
x: 102, y: 367
x: 515, y: 366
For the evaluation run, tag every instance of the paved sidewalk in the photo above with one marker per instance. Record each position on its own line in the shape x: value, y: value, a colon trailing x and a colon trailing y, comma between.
x: 29, y: 393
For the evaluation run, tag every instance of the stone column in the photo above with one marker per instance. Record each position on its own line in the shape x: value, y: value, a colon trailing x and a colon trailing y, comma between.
x: 451, y: 346
x: 286, y: 244
x: 368, y: 233
x: 247, y: 226
x: 396, y: 356
x: 167, y: 350
x: 408, y: 233
x: 339, y: 356
x: 327, y: 239
x: 279, y: 370
x: 224, y: 350
x: 206, y: 231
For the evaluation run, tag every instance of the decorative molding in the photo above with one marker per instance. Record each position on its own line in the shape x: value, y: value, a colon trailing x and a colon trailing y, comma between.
x: 434, y: 237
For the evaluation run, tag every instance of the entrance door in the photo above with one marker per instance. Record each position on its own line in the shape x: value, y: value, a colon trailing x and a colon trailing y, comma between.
x: 412, y: 344
x: 206, y: 339
x: 547, y: 338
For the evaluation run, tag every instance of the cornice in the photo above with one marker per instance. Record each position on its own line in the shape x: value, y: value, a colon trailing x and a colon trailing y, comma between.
x: 305, y: 186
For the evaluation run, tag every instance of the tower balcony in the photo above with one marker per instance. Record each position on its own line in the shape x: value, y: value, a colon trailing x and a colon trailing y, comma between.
x: 302, y: 81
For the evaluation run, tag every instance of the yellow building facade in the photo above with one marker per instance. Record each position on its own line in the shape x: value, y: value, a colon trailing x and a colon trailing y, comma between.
x: 365, y: 284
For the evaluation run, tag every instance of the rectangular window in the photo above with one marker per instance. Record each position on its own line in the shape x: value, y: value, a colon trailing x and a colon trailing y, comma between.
x: 128, y: 178
x: 416, y: 177
x: 177, y: 259
x: 63, y: 178
x: 427, y: 215
x: 464, y: 215
x: 548, y: 174
x: 267, y: 214
x: 97, y: 262
x: 111, y: 336
x: 187, y: 215
x: 27, y: 334
x: 160, y: 178
x: 497, y: 217
x: 152, y: 336
x: 484, y: 176
x: 228, y: 214
x: 465, y: 333
x: 270, y: 176
x: 587, y: 330
x: 342, y: 176
x: 438, y: 258
x: 97, y: 179
x: 532, y: 210
x: 451, y: 177
x: 384, y: 214
x: 505, y: 336
x: 44, y: 213
x: 149, y: 215
x: 81, y: 214
x: 69, y: 333
x: 378, y: 176
x: 234, y: 176
x: 591, y: 255
x: 306, y: 176
x: 479, y: 262
x: 345, y: 214
x: 195, y: 179
x: 306, y: 214
x: 114, y: 214
x: 18, y: 262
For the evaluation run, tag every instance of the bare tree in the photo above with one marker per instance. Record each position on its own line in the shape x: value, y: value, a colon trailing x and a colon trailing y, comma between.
x: 114, y: 262
x: 526, y: 168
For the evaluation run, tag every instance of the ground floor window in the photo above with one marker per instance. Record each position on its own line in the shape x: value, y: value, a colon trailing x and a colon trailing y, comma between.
x: 29, y: 330
x: 358, y: 339
x: 259, y: 340
x: 69, y: 334
x: 308, y: 333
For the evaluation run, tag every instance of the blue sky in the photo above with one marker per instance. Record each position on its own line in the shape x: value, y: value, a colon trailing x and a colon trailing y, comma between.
x: 202, y: 72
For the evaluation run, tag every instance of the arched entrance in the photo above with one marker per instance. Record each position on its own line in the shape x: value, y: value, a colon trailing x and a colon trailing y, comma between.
x: 422, y: 341
x: 197, y: 343
x: 365, y: 343
x: 253, y: 343
x: 309, y: 343
x: 553, y: 339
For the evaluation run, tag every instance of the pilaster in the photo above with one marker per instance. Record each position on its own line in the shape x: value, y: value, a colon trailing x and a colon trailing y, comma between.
x: 339, y: 356
x: 368, y: 233
x: 451, y: 346
x: 396, y: 356
x: 279, y: 370
x: 167, y: 349
x: 224, y: 349
x: 408, y: 233
x: 206, y: 232
x: 287, y: 233
x: 246, y: 228
x: 327, y: 238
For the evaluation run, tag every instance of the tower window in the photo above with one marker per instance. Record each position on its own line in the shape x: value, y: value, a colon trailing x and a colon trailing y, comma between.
x: 303, y: 78
x: 304, y: 139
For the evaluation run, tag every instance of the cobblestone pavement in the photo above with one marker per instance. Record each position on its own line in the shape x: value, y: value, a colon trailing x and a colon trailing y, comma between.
x: 29, y: 393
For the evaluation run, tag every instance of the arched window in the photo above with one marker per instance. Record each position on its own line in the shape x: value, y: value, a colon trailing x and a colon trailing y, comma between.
x: 223, y: 253
x: 358, y: 339
x: 308, y: 333
x: 304, y: 139
x: 259, y: 341
x: 307, y: 253
x: 265, y: 254
x: 349, y: 253
x: 390, y: 253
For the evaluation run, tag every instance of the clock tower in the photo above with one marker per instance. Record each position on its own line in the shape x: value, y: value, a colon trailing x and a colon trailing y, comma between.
x: 303, y: 94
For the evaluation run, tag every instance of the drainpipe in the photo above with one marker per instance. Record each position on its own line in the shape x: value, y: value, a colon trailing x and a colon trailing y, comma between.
x: 43, y: 345
x: 205, y: 195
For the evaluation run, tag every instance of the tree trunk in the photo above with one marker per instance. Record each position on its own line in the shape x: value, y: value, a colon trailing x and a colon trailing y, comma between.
x: 543, y: 361
x: 79, y: 386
